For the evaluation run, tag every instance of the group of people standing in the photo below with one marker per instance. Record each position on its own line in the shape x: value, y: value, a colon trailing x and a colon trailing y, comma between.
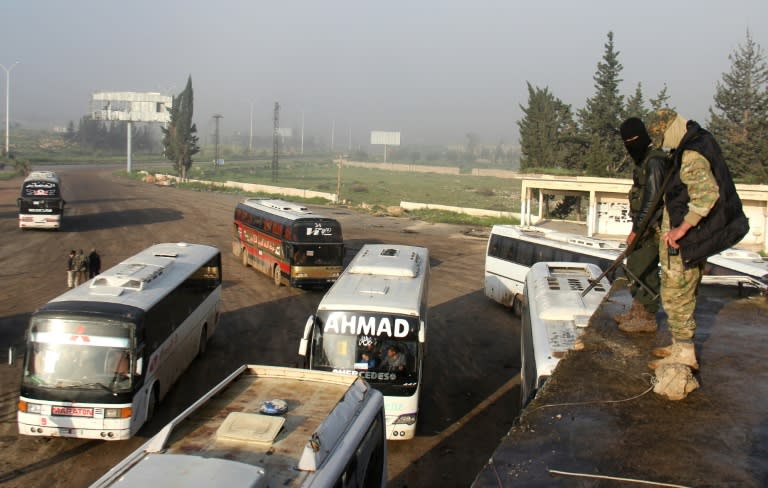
x: 684, y: 208
x: 81, y: 268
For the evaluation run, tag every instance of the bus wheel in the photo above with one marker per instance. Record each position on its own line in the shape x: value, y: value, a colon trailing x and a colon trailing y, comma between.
x: 244, y: 254
x: 517, y: 305
x: 277, y: 275
x: 152, y: 405
x: 203, y: 342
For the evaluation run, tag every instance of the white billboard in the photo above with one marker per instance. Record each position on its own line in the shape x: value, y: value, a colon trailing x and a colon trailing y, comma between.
x: 285, y: 131
x: 131, y: 106
x: 386, y: 138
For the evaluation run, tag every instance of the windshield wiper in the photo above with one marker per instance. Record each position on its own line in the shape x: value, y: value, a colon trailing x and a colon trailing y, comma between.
x: 91, y: 385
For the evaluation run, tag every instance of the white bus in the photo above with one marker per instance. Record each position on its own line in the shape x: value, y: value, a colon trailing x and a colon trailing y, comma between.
x: 373, y: 323
x: 555, y: 312
x: 101, y: 356
x: 267, y: 426
x: 512, y: 250
x: 40, y: 203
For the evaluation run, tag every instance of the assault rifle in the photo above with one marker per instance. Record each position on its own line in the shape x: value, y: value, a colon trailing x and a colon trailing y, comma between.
x: 644, y: 226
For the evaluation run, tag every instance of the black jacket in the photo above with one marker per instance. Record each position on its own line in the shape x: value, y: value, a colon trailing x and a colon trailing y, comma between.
x: 726, y: 224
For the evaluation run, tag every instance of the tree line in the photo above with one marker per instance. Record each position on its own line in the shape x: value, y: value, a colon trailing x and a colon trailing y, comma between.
x: 586, y: 141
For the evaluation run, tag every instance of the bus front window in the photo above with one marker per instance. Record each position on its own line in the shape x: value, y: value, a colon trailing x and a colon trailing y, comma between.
x: 63, y: 353
x: 65, y: 365
x: 379, y: 358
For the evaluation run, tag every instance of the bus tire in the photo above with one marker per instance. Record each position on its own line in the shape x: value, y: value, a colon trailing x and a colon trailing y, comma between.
x: 277, y: 275
x: 244, y: 255
x: 202, y: 346
x: 152, y: 403
x: 517, y: 305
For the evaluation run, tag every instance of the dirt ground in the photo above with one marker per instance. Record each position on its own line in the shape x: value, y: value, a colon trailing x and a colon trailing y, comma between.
x: 470, y: 398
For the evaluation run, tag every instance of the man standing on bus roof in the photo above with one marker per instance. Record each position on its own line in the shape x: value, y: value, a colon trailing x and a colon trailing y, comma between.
x: 703, y: 216
x: 643, y: 262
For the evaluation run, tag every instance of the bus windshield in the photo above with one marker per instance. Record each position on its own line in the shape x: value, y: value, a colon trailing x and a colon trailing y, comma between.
x: 380, y: 347
x: 78, y: 353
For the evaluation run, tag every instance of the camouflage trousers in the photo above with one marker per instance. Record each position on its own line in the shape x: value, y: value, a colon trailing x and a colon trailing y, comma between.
x: 644, y: 264
x: 679, y: 287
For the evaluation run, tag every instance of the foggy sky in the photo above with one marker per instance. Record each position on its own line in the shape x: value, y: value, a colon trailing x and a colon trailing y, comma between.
x: 434, y: 69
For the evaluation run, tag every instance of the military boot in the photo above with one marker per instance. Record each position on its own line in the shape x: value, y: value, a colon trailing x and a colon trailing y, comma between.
x: 679, y: 353
x: 637, y: 319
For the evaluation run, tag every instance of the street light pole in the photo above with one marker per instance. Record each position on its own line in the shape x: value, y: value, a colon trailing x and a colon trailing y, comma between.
x: 7, y: 100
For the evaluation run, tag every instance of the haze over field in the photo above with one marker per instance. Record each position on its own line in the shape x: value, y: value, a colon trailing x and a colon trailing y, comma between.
x: 434, y: 69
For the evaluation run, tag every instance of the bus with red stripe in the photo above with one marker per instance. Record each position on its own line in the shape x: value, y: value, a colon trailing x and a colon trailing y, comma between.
x: 100, y: 357
x: 288, y: 242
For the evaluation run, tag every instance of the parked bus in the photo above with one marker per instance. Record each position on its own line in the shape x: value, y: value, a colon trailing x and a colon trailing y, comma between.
x: 41, y: 204
x: 555, y: 313
x: 512, y: 250
x: 267, y: 426
x: 100, y: 357
x: 288, y: 242
x: 373, y: 323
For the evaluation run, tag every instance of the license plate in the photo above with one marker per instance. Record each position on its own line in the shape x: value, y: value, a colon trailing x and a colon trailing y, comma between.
x: 72, y: 411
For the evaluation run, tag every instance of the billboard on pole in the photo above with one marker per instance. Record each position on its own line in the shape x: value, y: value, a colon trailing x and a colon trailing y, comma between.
x: 387, y: 138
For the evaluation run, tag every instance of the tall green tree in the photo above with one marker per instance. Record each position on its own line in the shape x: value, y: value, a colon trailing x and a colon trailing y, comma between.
x: 636, y: 105
x: 599, y: 120
x: 180, y: 137
x: 739, y: 119
x: 547, y: 132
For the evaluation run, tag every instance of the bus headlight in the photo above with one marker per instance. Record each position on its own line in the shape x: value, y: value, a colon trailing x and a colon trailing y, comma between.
x: 29, y: 407
x: 407, y: 419
x: 118, y: 413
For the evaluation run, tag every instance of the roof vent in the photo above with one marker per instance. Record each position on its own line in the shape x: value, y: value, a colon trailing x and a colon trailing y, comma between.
x: 250, y: 427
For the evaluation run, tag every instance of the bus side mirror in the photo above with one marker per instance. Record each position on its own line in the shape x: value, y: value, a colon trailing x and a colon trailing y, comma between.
x: 304, y: 343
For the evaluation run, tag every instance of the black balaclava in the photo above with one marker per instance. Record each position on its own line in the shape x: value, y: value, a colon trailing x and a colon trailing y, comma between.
x: 636, y: 138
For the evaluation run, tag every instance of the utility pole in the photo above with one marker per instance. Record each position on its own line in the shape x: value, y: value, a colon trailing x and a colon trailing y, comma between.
x: 7, y: 102
x: 216, y: 158
x: 275, y: 141
x: 250, y: 138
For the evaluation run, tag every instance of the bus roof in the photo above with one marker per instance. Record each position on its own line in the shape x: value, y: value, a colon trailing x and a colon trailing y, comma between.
x: 603, y: 248
x: 144, y: 278
x: 225, y: 439
x: 281, y: 208
x: 381, y: 278
x: 43, y: 176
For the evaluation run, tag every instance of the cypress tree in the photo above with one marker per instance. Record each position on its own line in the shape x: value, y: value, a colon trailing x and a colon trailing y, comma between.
x: 547, y: 131
x: 180, y: 137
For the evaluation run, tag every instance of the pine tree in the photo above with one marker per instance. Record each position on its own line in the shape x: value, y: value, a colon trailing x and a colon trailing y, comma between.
x: 601, y: 117
x: 547, y: 132
x: 179, y: 138
x: 739, y: 120
x: 636, y: 105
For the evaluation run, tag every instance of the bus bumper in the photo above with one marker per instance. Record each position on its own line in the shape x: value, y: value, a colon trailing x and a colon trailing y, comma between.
x: 43, y: 426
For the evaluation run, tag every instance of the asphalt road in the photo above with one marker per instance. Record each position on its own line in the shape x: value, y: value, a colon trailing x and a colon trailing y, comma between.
x: 470, y: 395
